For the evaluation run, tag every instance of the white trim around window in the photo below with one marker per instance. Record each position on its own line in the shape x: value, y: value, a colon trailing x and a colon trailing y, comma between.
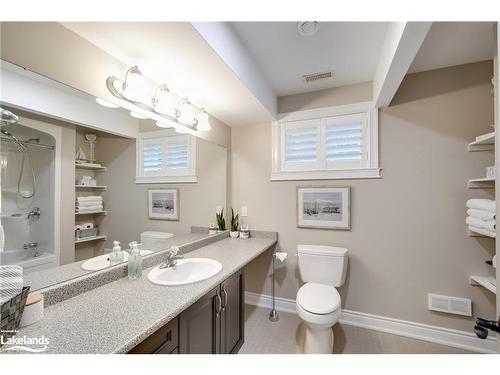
x: 309, y: 130
x: 172, y: 158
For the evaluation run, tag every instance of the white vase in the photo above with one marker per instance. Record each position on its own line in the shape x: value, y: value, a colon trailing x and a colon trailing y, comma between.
x: 234, y: 234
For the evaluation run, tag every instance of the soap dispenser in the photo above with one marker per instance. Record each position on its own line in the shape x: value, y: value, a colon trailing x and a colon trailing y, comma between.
x: 134, y: 262
x: 116, y: 256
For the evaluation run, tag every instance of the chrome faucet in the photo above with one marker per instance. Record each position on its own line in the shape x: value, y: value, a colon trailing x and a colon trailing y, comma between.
x: 32, y: 245
x: 34, y: 214
x: 172, y: 258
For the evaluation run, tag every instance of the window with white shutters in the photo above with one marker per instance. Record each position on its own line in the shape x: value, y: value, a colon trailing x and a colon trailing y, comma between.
x: 326, y: 143
x: 166, y: 159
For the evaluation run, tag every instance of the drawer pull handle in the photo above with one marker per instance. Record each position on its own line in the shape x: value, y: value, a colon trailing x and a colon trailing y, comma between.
x: 224, y: 303
x: 218, y: 307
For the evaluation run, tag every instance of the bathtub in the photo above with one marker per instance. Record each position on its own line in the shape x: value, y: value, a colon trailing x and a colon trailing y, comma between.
x: 26, y: 259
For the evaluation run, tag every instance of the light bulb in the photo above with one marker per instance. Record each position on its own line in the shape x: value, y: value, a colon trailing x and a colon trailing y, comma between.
x: 133, y: 87
x: 186, y: 114
x: 203, y: 122
x: 138, y: 115
x: 105, y: 103
x: 163, y: 124
x: 164, y: 101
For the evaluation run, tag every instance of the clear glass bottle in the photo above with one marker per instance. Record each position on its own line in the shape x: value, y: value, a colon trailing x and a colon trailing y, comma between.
x: 134, y: 262
x: 116, y: 255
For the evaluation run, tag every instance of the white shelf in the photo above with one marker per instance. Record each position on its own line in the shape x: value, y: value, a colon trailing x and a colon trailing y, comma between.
x: 482, y: 183
x: 488, y: 282
x: 92, y: 213
x: 86, y: 187
x: 97, y: 238
x: 91, y: 167
x: 476, y: 234
x: 486, y: 143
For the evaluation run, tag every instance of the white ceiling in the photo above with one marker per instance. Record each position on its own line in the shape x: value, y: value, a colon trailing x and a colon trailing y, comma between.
x: 350, y: 49
x: 174, y: 53
x: 455, y: 43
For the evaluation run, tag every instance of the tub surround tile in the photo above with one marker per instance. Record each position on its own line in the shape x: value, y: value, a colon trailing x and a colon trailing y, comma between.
x: 119, y: 315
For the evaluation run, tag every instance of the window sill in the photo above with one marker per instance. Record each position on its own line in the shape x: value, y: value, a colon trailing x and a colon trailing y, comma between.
x: 166, y: 180
x: 345, y: 174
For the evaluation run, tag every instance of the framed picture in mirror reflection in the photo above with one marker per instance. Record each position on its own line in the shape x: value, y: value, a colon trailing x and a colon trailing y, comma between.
x: 163, y: 204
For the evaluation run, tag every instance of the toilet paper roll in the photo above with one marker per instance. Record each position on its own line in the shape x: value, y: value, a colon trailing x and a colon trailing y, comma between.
x: 88, y: 225
x: 281, y: 255
x: 79, y: 227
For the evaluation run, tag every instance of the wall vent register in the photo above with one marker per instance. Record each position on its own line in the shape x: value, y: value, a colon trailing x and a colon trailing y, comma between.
x: 451, y: 305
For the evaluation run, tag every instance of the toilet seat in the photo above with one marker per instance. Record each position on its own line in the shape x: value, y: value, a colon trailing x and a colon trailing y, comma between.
x: 318, y: 299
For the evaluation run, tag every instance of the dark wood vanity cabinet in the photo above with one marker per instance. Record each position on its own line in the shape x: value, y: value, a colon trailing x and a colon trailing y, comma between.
x: 212, y: 325
x: 215, y: 323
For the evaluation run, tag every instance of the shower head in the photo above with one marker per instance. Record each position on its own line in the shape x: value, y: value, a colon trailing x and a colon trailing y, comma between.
x: 8, y: 118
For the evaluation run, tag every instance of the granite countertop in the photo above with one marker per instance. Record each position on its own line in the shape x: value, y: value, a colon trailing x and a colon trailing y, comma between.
x: 117, y: 316
x: 55, y: 275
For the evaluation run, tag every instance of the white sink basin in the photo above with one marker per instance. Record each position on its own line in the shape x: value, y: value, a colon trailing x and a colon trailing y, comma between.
x: 102, y: 261
x: 187, y: 271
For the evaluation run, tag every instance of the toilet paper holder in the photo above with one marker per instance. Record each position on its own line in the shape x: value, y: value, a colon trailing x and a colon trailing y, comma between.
x: 281, y: 255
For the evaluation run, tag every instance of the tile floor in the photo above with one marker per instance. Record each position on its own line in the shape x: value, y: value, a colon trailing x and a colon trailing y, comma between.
x: 286, y: 336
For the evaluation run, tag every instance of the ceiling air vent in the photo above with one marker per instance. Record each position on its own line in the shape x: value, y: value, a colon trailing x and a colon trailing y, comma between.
x: 316, y: 76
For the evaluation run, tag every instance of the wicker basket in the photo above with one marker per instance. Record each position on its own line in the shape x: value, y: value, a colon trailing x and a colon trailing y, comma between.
x: 11, y: 312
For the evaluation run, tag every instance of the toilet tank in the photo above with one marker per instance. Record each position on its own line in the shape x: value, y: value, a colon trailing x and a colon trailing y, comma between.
x: 322, y: 264
x: 150, y: 238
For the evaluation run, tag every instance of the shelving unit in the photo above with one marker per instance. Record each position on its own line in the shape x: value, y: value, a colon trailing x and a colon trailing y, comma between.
x: 91, y: 213
x: 488, y: 282
x: 90, y: 167
x: 97, y: 238
x: 85, y: 187
x: 482, y: 183
x: 484, y: 142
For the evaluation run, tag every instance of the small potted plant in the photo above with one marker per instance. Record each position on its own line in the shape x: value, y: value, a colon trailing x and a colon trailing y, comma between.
x: 234, y: 233
x: 221, y: 222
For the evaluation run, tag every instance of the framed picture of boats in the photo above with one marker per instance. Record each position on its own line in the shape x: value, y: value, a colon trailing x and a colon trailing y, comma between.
x: 323, y: 207
x: 163, y: 204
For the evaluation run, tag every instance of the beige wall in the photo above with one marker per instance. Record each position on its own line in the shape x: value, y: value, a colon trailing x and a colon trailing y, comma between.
x: 408, y: 234
x: 127, y: 202
x: 361, y: 92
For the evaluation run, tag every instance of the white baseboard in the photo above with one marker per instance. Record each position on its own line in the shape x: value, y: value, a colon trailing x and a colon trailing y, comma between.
x: 439, y: 335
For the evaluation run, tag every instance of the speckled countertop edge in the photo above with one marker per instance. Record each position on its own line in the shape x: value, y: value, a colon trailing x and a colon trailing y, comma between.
x: 106, y: 319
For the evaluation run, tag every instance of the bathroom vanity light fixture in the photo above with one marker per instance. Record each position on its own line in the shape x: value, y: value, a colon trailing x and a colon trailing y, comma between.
x: 164, y: 107
x: 105, y: 103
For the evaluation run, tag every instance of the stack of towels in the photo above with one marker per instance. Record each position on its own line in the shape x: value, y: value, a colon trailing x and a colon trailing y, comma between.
x: 89, y: 204
x: 481, y: 215
x: 11, y: 282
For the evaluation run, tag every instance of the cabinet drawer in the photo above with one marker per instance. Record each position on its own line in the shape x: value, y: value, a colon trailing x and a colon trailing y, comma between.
x: 162, y: 341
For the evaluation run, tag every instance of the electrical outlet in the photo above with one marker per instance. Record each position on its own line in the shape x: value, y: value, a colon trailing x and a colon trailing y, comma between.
x: 244, y: 211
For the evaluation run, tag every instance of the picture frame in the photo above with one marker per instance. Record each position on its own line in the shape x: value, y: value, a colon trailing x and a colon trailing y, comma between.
x: 324, y: 207
x: 163, y: 204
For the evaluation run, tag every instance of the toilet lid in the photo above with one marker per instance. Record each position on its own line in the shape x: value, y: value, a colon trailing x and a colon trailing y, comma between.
x: 318, y: 298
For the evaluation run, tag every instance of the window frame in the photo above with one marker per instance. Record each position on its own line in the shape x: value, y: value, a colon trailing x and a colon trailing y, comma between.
x: 327, y: 170
x: 166, y: 175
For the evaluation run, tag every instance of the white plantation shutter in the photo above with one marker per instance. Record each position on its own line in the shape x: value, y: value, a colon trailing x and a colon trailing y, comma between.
x: 300, y: 145
x: 166, y: 159
x: 177, y: 155
x: 345, y: 141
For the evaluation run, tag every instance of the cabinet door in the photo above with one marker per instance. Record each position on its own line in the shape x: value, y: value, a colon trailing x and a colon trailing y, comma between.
x: 199, y: 326
x: 232, y: 314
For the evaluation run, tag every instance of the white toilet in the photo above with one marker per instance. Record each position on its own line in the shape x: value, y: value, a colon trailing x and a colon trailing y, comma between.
x: 322, y: 268
x: 151, y: 237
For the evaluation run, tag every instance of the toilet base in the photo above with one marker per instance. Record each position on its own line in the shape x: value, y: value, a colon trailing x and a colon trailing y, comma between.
x: 318, y: 340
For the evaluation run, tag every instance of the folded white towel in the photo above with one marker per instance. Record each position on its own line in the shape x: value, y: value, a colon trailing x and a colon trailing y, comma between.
x: 475, y: 222
x: 483, y: 231
x: 88, y: 203
x: 481, y: 214
x: 89, y: 198
x: 90, y: 208
x: 482, y: 204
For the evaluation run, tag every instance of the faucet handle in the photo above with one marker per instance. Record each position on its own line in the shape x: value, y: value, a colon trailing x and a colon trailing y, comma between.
x: 173, y: 251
